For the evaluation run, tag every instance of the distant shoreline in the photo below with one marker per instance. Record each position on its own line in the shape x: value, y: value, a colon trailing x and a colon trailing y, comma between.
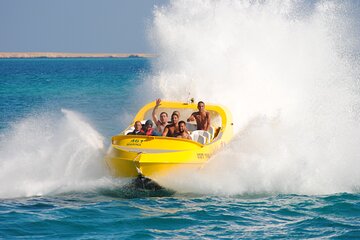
x: 73, y: 55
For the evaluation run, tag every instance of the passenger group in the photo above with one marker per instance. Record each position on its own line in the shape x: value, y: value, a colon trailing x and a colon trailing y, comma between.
x: 175, y: 128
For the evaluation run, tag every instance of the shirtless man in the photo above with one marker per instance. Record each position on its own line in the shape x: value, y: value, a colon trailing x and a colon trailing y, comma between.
x: 202, y: 117
x: 183, y: 133
x: 172, y: 129
x: 160, y: 124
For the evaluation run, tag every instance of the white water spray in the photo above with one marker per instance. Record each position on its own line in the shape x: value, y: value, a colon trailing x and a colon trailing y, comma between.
x: 289, y: 72
x: 48, y: 154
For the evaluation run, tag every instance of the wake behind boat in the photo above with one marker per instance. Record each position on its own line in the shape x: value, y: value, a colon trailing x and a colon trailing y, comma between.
x: 155, y: 156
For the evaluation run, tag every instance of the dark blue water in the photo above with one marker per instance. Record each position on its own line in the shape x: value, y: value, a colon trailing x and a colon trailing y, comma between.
x: 50, y: 185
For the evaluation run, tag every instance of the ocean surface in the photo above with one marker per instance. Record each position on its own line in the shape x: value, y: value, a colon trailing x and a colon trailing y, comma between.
x: 57, y: 117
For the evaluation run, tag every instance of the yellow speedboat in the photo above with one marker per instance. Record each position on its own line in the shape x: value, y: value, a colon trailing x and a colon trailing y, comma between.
x: 154, y: 156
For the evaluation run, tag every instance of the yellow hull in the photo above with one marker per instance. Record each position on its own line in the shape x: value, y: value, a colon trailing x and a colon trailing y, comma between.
x: 153, y: 156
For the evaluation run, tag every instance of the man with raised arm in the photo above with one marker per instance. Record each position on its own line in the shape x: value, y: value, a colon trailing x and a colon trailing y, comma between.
x: 160, y: 124
x: 202, y: 117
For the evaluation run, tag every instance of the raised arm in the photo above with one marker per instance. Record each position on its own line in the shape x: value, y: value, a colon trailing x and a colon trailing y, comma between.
x: 191, y: 118
x: 154, y: 117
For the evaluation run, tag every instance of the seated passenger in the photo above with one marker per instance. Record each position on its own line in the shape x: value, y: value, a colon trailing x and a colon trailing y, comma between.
x: 160, y: 124
x: 138, y: 129
x: 183, y: 132
x: 173, y: 128
x: 148, y: 129
x: 177, y: 112
x: 202, y: 117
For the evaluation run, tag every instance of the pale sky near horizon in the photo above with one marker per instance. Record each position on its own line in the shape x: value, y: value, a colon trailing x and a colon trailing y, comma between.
x: 82, y: 26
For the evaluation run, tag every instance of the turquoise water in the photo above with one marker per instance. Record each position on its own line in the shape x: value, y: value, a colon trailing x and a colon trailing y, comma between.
x: 98, y: 216
x: 53, y: 183
x: 44, y: 85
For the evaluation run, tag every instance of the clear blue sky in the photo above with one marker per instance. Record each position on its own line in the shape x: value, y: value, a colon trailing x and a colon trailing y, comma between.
x: 93, y: 26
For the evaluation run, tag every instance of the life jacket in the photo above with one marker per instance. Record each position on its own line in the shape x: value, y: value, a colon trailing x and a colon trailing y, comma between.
x: 149, y: 132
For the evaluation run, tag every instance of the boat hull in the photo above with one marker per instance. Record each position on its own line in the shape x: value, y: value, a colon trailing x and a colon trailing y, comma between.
x: 155, y: 156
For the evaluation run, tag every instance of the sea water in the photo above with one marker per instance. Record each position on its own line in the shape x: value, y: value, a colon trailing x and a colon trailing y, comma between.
x: 287, y: 70
x: 56, y: 122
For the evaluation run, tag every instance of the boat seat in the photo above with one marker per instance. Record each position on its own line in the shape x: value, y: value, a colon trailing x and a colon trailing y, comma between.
x: 207, y: 135
x: 200, y: 136
x: 201, y: 139
x: 195, y: 136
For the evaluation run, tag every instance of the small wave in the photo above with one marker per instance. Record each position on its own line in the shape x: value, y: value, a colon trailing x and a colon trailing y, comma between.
x: 48, y: 153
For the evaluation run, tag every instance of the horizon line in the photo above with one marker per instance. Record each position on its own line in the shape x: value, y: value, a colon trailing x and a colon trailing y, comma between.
x: 73, y: 55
